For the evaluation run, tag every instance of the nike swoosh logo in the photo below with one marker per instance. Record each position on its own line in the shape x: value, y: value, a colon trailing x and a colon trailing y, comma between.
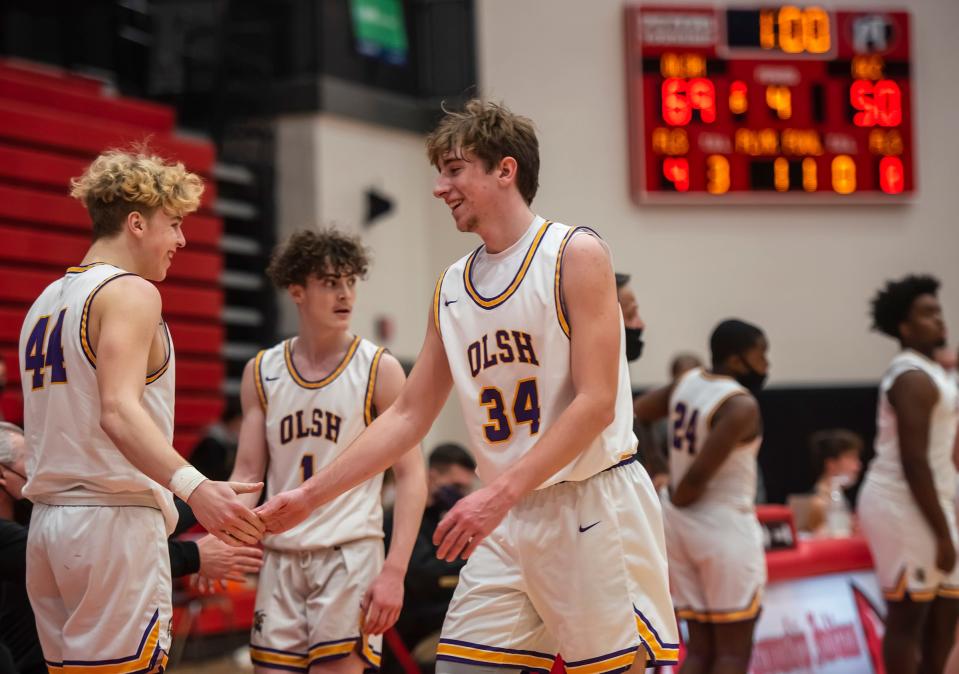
x: 587, y: 528
x: 271, y: 378
x: 449, y: 302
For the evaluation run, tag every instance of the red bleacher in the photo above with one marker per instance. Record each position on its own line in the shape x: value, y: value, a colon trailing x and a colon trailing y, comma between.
x: 52, y: 124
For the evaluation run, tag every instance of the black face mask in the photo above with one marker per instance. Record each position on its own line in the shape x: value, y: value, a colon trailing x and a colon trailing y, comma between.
x: 447, y: 496
x: 634, y: 343
x: 752, y: 380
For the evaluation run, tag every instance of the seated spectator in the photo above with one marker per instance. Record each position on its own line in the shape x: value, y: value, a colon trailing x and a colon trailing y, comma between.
x: 430, y: 581
x: 836, y: 456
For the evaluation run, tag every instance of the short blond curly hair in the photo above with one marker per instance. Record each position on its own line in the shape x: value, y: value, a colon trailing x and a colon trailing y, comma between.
x: 119, y: 182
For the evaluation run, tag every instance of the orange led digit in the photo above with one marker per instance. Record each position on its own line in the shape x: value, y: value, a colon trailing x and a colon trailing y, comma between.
x: 843, y: 174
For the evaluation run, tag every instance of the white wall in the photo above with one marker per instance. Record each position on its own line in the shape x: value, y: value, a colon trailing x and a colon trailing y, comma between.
x: 803, y: 273
x: 331, y: 162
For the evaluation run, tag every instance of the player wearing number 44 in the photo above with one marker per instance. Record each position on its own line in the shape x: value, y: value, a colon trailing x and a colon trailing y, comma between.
x: 717, y: 567
x: 564, y: 540
x: 325, y: 595
x: 97, y: 367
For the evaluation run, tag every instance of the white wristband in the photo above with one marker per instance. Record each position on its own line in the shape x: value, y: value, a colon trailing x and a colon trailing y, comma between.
x: 185, y: 481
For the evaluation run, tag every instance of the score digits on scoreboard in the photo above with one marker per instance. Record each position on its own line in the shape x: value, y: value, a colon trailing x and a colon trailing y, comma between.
x: 778, y: 103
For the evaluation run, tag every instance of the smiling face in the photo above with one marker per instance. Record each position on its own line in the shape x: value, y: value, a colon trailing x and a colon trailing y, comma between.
x: 158, y: 235
x: 469, y: 189
x: 326, y: 302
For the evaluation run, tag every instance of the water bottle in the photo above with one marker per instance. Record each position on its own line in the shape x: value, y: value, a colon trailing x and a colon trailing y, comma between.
x: 838, y: 517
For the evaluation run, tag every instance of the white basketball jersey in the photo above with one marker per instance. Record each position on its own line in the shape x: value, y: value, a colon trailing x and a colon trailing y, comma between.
x: 886, y: 469
x: 308, y: 424
x: 506, y: 336
x: 695, y: 400
x: 70, y: 459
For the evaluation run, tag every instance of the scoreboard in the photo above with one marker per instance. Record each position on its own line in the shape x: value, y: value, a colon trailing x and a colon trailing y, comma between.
x: 769, y: 104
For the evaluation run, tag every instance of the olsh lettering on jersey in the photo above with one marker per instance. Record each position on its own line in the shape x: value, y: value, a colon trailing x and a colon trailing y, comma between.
x: 509, y: 346
x: 295, y: 426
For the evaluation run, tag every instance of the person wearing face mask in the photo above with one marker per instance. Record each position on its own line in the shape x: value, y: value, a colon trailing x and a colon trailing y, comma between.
x: 717, y: 566
x: 632, y: 322
x: 430, y: 581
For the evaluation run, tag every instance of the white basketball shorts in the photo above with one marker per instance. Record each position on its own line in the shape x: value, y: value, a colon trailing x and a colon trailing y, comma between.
x: 308, y: 606
x: 577, y: 568
x: 98, y: 578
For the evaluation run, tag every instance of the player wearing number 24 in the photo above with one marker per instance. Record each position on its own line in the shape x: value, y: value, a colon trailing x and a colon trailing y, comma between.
x: 528, y: 331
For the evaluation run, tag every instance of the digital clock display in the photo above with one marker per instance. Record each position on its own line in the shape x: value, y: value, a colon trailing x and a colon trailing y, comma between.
x: 769, y: 104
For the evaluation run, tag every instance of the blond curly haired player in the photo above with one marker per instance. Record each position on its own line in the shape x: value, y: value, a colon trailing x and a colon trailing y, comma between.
x: 97, y: 368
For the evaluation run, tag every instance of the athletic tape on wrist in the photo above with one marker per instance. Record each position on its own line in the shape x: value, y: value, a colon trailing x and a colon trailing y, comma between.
x: 185, y: 481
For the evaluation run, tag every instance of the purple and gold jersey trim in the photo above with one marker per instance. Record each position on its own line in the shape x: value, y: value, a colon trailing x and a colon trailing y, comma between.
x: 328, y: 379
x: 149, y: 657
x: 436, y: 300
x: 369, y: 411
x: 727, y: 616
x: 79, y: 269
x: 493, y: 302
x: 454, y: 650
x: 660, y: 652
x: 557, y: 289
x: 159, y: 372
x: 258, y: 379
x: 87, y: 347
x: 901, y: 591
x: 324, y: 651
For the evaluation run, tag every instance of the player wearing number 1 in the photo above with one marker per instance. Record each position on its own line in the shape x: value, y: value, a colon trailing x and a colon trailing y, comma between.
x: 717, y: 567
x: 565, y: 540
x: 97, y: 368
x: 325, y: 594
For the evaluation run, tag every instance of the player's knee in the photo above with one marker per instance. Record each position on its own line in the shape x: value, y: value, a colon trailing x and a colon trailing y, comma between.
x: 351, y: 664
x: 446, y: 667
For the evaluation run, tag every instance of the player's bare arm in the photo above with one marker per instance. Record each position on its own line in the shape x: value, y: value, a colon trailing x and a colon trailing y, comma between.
x: 589, y: 293
x: 384, y: 599
x: 913, y: 396
x: 735, y: 423
x: 390, y: 436
x: 653, y: 405
x: 252, y: 453
x: 124, y: 318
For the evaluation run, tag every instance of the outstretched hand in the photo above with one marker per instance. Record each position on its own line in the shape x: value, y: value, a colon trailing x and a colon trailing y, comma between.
x: 472, y: 519
x: 220, y: 562
x: 284, y: 511
x: 220, y: 512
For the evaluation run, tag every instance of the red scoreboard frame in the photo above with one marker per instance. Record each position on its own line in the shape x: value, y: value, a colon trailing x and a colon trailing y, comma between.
x: 769, y: 104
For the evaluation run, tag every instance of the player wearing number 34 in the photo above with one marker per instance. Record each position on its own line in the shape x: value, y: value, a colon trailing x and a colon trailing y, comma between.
x: 565, y: 540
x: 97, y: 366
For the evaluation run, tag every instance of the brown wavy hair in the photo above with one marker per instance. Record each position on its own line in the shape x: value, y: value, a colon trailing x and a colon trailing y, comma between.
x: 490, y: 131
x: 317, y: 252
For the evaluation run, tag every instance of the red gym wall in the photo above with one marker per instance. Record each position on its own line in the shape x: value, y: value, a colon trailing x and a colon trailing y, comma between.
x: 51, y: 126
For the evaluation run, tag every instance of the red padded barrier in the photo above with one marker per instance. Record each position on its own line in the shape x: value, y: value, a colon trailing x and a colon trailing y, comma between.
x: 54, y: 248
x: 44, y: 128
x: 24, y: 285
x: 19, y: 203
x: 54, y: 172
x: 48, y: 75
x: 52, y: 124
x: 16, y: 87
